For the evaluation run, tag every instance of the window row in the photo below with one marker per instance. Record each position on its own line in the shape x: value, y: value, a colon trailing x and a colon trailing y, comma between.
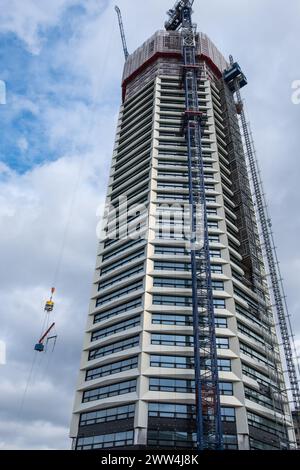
x: 120, y: 439
x: 183, y: 386
x: 263, y: 400
x: 266, y: 424
x: 180, y: 411
x: 182, y: 283
x: 111, y: 390
x: 183, y: 301
x: 116, y: 328
x: 119, y: 293
x: 139, y: 168
x: 183, y: 340
x: 112, y: 368
x: 121, y: 249
x: 124, y: 261
x: 124, y: 307
x: 256, y: 375
x: 183, y: 362
x: 121, y: 277
x: 181, y: 439
x: 248, y: 351
x: 107, y: 415
x: 114, y: 347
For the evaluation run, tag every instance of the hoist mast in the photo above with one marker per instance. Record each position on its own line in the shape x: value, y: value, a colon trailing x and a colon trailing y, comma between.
x: 236, y: 80
x: 208, y: 411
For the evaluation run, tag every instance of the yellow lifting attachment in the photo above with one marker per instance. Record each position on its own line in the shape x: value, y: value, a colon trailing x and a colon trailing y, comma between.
x: 50, y: 304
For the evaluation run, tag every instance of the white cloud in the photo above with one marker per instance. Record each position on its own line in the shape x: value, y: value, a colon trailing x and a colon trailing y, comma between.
x: 27, y: 18
x: 38, y: 205
x: 37, y: 435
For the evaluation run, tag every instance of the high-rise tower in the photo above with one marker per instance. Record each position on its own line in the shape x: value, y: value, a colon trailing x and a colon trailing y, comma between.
x: 137, y: 375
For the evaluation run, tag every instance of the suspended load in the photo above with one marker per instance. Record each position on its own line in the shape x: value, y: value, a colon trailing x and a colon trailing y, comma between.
x: 49, y: 306
x: 40, y: 346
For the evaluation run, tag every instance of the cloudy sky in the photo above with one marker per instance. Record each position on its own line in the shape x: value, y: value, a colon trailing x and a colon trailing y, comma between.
x: 62, y: 63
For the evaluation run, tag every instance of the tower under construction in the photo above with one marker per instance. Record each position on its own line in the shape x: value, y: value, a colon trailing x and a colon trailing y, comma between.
x: 188, y: 339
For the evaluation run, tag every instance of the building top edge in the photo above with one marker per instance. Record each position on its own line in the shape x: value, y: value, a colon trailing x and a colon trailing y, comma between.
x: 170, y: 42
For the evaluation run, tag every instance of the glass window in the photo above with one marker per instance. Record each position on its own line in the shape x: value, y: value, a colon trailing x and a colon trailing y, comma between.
x: 171, y: 410
x: 109, y: 391
x: 171, y: 250
x: 170, y: 266
x: 171, y: 385
x: 224, y: 365
x: 171, y: 340
x: 124, y: 261
x: 228, y: 414
x: 248, y: 351
x: 121, y: 249
x: 216, y: 269
x: 173, y: 439
x: 171, y: 319
x: 266, y: 424
x: 219, y: 303
x: 217, y: 285
x: 119, y: 293
x: 175, y: 283
x: 124, y: 307
x: 222, y: 343
x: 112, y: 368
x: 172, y: 300
x: 172, y: 362
x: 121, y: 277
x: 107, y: 415
x: 226, y: 388
x: 221, y: 322
x: 114, y: 329
x: 114, y: 347
x: 212, y: 224
x: 214, y: 238
x: 257, y: 375
x: 119, y: 439
x: 230, y: 441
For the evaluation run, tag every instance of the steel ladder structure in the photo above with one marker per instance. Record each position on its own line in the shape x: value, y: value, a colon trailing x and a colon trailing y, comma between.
x: 207, y: 396
x: 236, y: 80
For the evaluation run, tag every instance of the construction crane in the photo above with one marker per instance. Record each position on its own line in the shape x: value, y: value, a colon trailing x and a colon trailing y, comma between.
x: 236, y: 80
x: 122, y: 32
x: 207, y: 396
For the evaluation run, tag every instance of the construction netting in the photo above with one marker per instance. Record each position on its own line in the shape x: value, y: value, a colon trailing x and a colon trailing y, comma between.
x: 170, y: 41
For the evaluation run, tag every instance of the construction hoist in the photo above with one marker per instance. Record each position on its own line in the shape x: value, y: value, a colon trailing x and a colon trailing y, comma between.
x: 208, y: 410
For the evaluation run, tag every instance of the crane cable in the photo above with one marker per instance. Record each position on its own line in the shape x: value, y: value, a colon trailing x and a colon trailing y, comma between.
x: 73, y: 198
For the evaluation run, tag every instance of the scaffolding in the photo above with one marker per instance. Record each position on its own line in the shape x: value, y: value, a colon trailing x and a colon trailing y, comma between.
x: 235, y: 79
x: 208, y: 410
